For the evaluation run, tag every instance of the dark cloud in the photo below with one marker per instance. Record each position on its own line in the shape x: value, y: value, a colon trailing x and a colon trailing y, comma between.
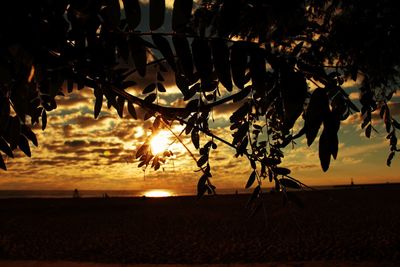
x: 76, y: 143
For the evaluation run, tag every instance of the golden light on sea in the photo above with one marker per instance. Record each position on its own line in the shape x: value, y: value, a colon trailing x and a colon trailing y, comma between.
x: 158, y: 193
x: 160, y: 142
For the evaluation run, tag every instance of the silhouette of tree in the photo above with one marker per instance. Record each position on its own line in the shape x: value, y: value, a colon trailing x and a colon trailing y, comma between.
x: 265, y: 55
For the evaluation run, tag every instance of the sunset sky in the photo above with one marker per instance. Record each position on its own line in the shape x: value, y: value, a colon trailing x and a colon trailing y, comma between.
x: 77, y: 151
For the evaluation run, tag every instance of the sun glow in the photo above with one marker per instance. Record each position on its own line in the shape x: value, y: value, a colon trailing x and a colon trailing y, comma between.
x: 160, y: 142
x: 158, y: 193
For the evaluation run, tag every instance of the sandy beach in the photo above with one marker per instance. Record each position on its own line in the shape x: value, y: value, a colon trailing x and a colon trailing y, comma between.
x: 344, y: 225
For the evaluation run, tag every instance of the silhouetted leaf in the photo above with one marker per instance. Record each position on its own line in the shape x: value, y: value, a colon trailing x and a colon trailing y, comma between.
x: 324, y: 150
x: 192, y: 91
x: 181, y: 14
x: 132, y: 13
x: 184, y: 55
x: 195, y: 139
x: 111, y: 14
x: 289, y: 183
x: 98, y: 104
x: 294, y: 93
x: 297, y: 49
x: 24, y: 145
x: 251, y: 179
x: 150, y: 98
x: 390, y: 158
x: 220, y: 53
x: 368, y: 131
x: 193, y: 105
x: 157, y: 122
x: 138, y: 54
x: 281, y: 171
x: 202, y: 186
x: 258, y: 69
x: 25, y: 130
x: 120, y: 104
x: 239, y: 53
x: 5, y: 148
x: 2, y: 164
x: 161, y: 88
x: 163, y: 45
x: 396, y: 124
x: 254, y: 195
x: 127, y: 84
x: 202, y: 59
x: 149, y: 88
x: 160, y: 78
x: 44, y: 119
x: 131, y: 110
x: 148, y: 115
x: 202, y: 160
x: 157, y: 13
x: 142, y: 150
x: 317, y: 109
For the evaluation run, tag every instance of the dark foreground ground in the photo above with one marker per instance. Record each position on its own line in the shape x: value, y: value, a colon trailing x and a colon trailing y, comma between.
x: 358, y: 225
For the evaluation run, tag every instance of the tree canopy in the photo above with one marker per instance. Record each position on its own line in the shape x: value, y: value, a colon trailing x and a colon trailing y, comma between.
x: 284, y: 62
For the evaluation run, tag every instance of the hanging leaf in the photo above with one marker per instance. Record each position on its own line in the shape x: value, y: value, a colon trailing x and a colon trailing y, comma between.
x: 138, y: 54
x: 251, y: 180
x: 184, y: 55
x: 324, y: 150
x: 390, y: 158
x: 181, y: 14
x: 202, y: 59
x: 220, y: 53
x: 202, y: 160
x: 149, y: 88
x: 111, y: 14
x: 193, y: 105
x: 127, y: 84
x: 161, y: 88
x: 44, y: 119
x: 150, y: 98
x: 254, y: 195
x: 120, y: 105
x: 281, y: 171
x: 317, y: 110
x: 202, y: 186
x: 195, y: 139
x: 132, y: 13
x: 289, y: 183
x: 98, y: 104
x: 5, y: 148
x: 258, y: 70
x: 142, y: 150
x: 25, y: 130
x: 162, y: 44
x: 2, y: 164
x: 131, y: 110
x: 192, y: 91
x: 157, y: 13
x: 294, y: 93
x: 24, y: 145
x: 239, y: 53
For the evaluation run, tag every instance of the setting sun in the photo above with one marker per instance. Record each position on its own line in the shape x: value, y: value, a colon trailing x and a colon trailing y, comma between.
x: 158, y: 193
x: 160, y: 142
